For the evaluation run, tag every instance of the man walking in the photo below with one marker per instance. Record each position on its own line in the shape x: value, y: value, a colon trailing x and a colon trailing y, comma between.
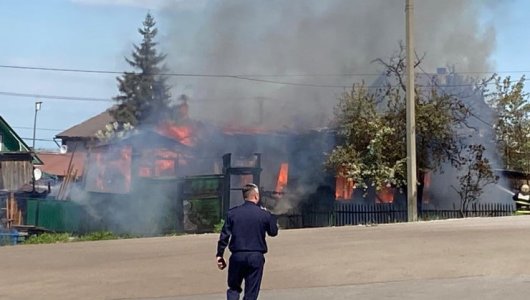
x: 244, y: 233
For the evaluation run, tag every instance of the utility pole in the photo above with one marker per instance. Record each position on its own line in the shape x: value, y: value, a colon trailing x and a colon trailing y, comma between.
x: 412, y: 189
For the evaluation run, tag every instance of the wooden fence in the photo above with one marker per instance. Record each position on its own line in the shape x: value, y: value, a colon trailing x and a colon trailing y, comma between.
x: 357, y: 214
x: 475, y: 210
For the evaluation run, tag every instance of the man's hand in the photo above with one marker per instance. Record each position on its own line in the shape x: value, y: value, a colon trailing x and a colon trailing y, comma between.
x: 221, y: 263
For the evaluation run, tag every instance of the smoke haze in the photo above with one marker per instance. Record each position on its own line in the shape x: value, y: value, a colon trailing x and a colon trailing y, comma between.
x: 308, y: 44
x: 312, y: 37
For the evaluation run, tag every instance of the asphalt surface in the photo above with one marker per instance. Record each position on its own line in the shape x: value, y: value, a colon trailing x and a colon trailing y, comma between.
x: 480, y: 258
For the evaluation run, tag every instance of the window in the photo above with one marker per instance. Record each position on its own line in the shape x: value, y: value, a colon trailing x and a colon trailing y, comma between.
x: 1, y: 142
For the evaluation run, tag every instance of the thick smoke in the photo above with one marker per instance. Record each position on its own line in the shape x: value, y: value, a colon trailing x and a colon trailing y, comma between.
x: 320, y: 48
x: 313, y: 37
x: 319, y: 39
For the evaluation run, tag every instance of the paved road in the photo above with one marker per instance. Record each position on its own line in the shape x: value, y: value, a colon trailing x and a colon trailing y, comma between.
x: 474, y: 288
x: 457, y: 259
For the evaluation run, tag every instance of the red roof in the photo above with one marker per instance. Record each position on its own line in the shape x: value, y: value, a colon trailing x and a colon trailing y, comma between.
x: 57, y: 163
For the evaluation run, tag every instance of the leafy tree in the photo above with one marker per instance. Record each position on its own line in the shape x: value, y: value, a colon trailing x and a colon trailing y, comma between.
x: 512, y: 126
x: 365, y: 154
x: 477, y: 173
x: 372, y: 122
x: 113, y: 130
x: 144, y: 94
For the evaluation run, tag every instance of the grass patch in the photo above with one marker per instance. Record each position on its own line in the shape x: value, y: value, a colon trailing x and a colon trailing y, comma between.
x: 98, y: 236
x: 52, y: 238
x: 219, y: 226
x: 48, y: 238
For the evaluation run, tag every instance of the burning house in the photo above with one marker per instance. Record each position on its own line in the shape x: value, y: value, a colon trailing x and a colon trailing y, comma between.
x: 157, y: 174
x: 154, y: 178
x: 153, y: 170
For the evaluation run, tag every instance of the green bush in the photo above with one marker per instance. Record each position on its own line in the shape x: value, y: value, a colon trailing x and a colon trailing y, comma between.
x: 48, y: 238
x: 52, y: 238
x: 219, y: 226
x: 98, y: 236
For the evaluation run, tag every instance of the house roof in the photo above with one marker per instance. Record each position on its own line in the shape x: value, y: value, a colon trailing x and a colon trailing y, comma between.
x: 148, y: 138
x: 57, y: 163
x: 88, y: 128
x: 23, y: 147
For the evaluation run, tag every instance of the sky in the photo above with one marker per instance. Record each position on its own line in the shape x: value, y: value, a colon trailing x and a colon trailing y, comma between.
x: 98, y: 34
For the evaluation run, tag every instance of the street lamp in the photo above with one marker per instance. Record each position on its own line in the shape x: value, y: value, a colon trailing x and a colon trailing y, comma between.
x: 37, y: 108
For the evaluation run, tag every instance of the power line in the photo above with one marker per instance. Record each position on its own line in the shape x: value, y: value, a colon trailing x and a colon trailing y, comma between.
x: 59, y: 69
x: 75, y: 98
x: 40, y: 140
x: 247, y: 77
x: 93, y: 99
x: 230, y: 76
x: 239, y: 76
x: 89, y: 99
x: 42, y: 129
x: 480, y: 119
x: 55, y: 97
x: 292, y: 83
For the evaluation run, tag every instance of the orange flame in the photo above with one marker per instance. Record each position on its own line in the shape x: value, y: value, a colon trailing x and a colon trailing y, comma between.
x: 182, y: 133
x: 112, y: 171
x: 144, y: 171
x: 164, y: 167
x: 126, y: 154
x: 160, y: 162
x: 385, y: 195
x: 283, y: 175
x: 99, y: 182
x: 343, y: 188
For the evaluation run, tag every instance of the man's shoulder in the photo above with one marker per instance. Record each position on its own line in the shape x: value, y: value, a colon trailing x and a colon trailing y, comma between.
x: 236, y: 209
x: 264, y: 209
x: 254, y: 209
x: 233, y: 209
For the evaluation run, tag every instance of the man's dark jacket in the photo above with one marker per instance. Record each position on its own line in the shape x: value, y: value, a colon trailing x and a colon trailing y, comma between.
x: 245, y: 228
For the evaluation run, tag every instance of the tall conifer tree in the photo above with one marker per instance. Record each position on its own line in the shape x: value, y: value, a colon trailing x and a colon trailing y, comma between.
x: 144, y: 95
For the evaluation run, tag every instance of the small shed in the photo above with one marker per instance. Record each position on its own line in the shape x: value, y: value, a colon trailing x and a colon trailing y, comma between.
x: 16, y: 171
x: 16, y: 159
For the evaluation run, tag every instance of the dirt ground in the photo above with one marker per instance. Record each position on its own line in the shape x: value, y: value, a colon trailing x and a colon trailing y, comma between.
x: 479, y: 258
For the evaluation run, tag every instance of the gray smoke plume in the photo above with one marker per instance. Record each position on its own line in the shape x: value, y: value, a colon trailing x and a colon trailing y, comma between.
x: 317, y: 39
x: 280, y: 40
x: 316, y: 49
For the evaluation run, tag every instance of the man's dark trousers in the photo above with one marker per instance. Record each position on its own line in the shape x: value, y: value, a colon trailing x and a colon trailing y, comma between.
x: 248, y: 266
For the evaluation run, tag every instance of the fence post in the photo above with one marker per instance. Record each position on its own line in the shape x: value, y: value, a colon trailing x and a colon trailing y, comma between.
x: 333, y: 214
x: 340, y: 215
x: 357, y: 215
x: 339, y: 208
x: 496, y: 207
x: 364, y: 215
